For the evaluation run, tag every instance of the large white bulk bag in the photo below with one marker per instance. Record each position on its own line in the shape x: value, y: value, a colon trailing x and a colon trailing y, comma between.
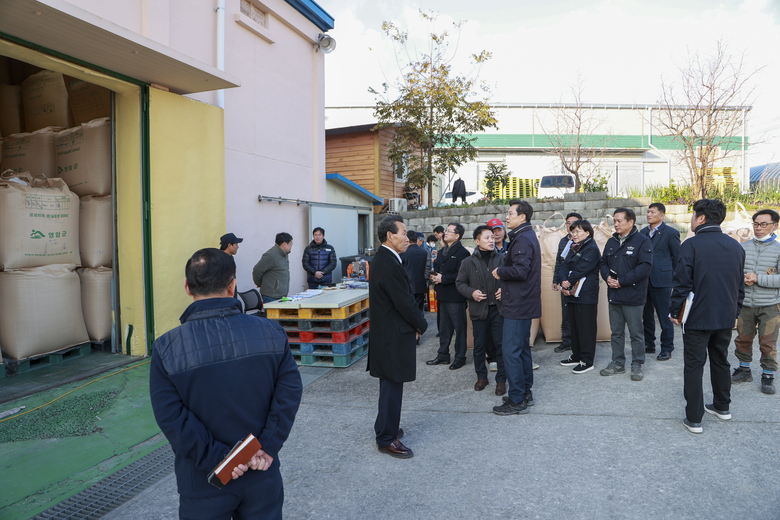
x: 83, y: 157
x: 31, y: 152
x: 45, y: 101
x: 549, y: 237
x: 96, y: 231
x: 87, y: 100
x: 39, y: 222
x: 41, y: 311
x: 601, y: 234
x: 96, y: 301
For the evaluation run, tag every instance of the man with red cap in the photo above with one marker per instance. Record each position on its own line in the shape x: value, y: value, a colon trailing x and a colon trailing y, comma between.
x: 499, y: 234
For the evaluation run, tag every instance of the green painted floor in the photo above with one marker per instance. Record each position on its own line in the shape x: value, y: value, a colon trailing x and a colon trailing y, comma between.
x: 54, y: 452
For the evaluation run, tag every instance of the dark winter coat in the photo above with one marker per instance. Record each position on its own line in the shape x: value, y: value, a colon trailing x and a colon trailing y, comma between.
x: 458, y: 189
x: 417, y: 263
x: 476, y: 275
x: 218, y: 377
x: 447, y: 263
x: 395, y: 320
x: 579, y: 264
x: 272, y: 273
x: 666, y: 254
x: 319, y: 257
x: 521, y: 276
x: 632, y: 262
x: 559, y: 260
x: 711, y: 266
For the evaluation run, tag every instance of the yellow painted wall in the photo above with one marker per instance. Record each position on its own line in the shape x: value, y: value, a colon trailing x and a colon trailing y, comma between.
x: 187, y: 155
x: 128, y: 185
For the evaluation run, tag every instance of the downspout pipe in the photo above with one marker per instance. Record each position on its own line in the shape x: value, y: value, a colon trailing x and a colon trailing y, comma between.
x: 220, y: 47
x: 745, y: 172
x: 650, y: 142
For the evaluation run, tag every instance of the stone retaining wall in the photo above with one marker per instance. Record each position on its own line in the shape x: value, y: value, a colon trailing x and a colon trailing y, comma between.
x: 592, y: 206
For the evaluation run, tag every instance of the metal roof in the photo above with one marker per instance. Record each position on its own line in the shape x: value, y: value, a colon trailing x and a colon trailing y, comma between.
x: 765, y: 172
x: 355, y: 188
x: 63, y: 29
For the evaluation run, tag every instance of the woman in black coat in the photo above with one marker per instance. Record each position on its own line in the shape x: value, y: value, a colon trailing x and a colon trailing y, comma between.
x: 582, y: 261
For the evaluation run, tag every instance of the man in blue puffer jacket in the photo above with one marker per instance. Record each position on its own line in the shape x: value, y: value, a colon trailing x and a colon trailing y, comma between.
x: 215, y: 379
x: 319, y: 260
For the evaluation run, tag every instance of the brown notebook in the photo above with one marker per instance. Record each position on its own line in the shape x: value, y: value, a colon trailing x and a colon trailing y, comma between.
x: 241, y: 453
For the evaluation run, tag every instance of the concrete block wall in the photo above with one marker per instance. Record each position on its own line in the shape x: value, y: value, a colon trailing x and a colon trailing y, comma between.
x: 592, y: 206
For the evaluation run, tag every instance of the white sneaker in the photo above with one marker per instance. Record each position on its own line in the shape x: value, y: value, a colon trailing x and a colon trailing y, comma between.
x: 493, y: 366
x: 720, y: 414
x: 535, y: 366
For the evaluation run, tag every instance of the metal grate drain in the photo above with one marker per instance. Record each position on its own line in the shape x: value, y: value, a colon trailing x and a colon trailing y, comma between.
x: 113, y: 491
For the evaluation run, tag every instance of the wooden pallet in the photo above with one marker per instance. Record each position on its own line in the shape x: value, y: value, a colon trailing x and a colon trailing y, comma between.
x: 339, y: 313
x: 330, y: 360
x: 325, y: 325
x: 19, y: 366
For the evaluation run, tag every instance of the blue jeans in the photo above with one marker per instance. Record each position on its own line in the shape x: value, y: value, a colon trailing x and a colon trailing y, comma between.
x: 517, y: 358
x: 268, y: 299
x: 658, y: 299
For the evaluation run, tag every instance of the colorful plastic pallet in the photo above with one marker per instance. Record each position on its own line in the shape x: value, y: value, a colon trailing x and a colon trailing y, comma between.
x: 332, y: 349
x: 339, y: 313
x: 310, y: 336
x: 329, y: 360
x: 19, y: 366
x: 325, y: 325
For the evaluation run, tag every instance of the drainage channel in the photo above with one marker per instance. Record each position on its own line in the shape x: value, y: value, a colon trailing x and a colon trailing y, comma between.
x: 103, y: 497
x: 113, y: 491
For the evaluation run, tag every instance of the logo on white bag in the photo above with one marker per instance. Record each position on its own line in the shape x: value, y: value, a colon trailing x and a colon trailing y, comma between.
x: 37, y: 234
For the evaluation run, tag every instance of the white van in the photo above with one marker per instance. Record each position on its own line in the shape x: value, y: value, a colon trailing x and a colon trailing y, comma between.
x: 554, y: 186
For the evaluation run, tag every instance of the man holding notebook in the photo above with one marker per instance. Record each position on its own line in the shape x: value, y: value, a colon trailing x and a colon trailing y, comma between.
x: 214, y: 380
x: 711, y: 267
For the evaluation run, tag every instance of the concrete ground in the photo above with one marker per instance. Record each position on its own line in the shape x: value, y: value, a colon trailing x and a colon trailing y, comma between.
x: 592, y: 447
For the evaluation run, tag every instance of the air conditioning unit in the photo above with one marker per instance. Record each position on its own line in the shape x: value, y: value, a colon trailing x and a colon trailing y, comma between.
x: 396, y: 205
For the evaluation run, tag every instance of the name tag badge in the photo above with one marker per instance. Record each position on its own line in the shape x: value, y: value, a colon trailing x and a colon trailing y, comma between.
x: 629, y: 253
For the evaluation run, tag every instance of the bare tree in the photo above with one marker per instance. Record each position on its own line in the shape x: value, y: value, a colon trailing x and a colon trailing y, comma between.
x: 704, y: 111
x: 576, y: 136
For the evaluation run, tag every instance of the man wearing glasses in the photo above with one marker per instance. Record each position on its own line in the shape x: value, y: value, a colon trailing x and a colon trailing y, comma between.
x: 760, y: 307
x: 521, y: 296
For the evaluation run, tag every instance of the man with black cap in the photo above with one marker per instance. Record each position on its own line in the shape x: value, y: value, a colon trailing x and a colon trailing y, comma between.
x: 229, y: 243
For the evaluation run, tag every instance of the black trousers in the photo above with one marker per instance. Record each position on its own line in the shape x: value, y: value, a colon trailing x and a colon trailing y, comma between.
x: 658, y: 301
x: 419, y: 298
x: 453, y: 320
x: 490, y: 330
x: 261, y: 501
x: 583, y: 320
x: 388, y: 417
x: 698, y: 344
x: 565, y: 323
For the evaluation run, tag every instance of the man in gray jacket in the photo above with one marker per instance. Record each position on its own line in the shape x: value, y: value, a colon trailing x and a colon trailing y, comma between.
x: 272, y: 273
x: 760, y: 307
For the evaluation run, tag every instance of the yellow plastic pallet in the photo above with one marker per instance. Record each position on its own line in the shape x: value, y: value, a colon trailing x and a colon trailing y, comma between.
x: 318, y: 314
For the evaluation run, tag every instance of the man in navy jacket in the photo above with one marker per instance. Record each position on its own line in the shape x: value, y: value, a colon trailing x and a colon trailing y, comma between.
x: 319, y: 260
x: 215, y: 379
x: 711, y: 267
x: 521, y: 297
x: 417, y: 263
x: 666, y: 253
x: 625, y: 265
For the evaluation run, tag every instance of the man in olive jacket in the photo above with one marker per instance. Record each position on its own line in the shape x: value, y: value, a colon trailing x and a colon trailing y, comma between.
x: 477, y: 285
x: 272, y: 273
x: 396, y: 323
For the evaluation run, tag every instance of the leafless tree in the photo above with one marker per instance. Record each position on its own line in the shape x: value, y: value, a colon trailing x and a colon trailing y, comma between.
x: 576, y: 136
x: 704, y: 110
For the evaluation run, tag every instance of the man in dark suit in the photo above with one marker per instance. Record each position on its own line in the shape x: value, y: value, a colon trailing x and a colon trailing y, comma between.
x: 396, y: 324
x: 563, y: 249
x: 417, y: 263
x: 711, y: 266
x: 666, y: 253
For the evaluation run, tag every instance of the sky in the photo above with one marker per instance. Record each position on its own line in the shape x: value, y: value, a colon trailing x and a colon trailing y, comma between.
x: 619, y: 50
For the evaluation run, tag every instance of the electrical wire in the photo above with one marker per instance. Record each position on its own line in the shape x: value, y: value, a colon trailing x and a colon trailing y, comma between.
x: 82, y: 386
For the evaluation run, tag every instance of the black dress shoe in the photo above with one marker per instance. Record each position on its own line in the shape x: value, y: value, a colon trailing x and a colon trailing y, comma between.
x: 650, y: 350
x: 457, y: 364
x: 438, y: 361
x: 664, y: 356
x: 397, y: 449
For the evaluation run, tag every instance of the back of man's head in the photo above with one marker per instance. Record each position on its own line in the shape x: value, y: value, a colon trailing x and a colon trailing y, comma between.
x: 714, y: 210
x: 283, y: 238
x: 209, y: 272
x: 412, y: 236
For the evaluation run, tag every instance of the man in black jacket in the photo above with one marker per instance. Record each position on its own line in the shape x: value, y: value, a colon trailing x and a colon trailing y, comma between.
x: 215, y: 379
x: 666, y: 253
x: 417, y: 263
x: 319, y: 260
x: 521, y: 302
x: 396, y: 324
x: 711, y: 268
x: 476, y: 284
x: 563, y: 250
x: 625, y: 265
x: 452, y: 305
